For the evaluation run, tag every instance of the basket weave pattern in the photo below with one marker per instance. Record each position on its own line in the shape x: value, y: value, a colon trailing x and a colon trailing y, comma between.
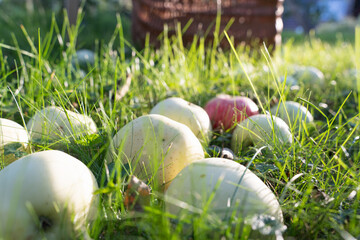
x: 254, y: 20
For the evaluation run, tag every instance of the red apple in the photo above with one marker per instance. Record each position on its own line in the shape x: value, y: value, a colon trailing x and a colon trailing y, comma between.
x: 224, y: 110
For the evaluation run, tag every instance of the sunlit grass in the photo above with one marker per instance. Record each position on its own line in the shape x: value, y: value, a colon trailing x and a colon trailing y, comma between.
x: 313, y: 178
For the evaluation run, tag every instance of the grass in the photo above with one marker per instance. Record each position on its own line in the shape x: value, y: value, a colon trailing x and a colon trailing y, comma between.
x: 316, y: 178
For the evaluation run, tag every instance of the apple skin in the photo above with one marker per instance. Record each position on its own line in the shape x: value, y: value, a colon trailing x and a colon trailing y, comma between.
x: 260, y: 129
x: 220, y: 180
x: 85, y: 58
x: 304, y: 75
x: 46, y: 195
x: 224, y: 110
x: 11, y: 132
x: 13, y: 137
x: 293, y: 113
x: 192, y: 115
x: 156, y: 147
x: 53, y: 123
x: 309, y: 75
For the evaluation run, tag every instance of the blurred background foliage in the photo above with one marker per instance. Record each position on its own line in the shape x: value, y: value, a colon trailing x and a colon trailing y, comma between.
x: 330, y: 20
x: 97, y: 26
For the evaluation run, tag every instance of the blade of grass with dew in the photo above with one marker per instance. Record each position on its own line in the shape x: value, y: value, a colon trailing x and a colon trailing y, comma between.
x: 246, y: 74
x: 357, y: 62
x: 121, y: 37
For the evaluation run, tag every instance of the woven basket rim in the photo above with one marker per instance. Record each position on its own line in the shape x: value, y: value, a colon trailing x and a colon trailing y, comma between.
x: 149, y: 16
x: 180, y: 6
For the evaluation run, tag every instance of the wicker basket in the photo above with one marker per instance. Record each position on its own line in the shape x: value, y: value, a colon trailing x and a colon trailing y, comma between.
x: 255, y: 21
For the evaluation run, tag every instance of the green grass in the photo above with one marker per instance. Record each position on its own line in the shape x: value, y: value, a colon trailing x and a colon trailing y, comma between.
x: 313, y: 178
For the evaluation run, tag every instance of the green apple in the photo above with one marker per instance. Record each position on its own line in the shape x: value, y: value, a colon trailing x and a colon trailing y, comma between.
x: 308, y: 75
x: 292, y: 113
x: 85, y: 58
x: 13, y: 140
x: 260, y: 129
x: 220, y: 188
x: 304, y: 75
x: 156, y: 148
x: 55, y: 123
x: 192, y: 115
x: 46, y: 195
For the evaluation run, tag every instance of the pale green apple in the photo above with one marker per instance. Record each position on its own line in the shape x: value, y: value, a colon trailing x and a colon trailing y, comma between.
x: 156, y: 148
x: 46, y: 195
x: 192, y: 115
x: 260, y: 129
x: 13, y: 140
x: 221, y: 187
x: 292, y: 113
x: 55, y: 123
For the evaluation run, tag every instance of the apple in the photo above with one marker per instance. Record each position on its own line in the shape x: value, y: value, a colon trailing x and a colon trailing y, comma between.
x: 192, y: 115
x: 55, y: 123
x: 307, y: 75
x: 46, y: 195
x: 13, y: 140
x: 85, y: 58
x: 221, y: 187
x: 156, y: 148
x: 290, y: 80
x: 260, y: 129
x: 292, y: 113
x: 304, y: 75
x: 350, y: 76
x: 224, y: 110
